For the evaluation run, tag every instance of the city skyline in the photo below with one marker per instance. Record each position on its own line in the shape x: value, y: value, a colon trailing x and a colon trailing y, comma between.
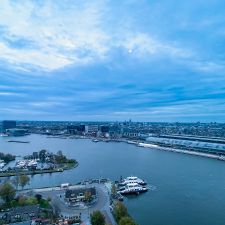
x: 104, y: 60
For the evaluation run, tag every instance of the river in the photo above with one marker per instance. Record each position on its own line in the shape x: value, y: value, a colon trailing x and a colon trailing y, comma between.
x: 185, y: 189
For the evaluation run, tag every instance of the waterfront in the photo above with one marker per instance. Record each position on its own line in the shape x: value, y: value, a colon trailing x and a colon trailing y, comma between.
x: 185, y: 189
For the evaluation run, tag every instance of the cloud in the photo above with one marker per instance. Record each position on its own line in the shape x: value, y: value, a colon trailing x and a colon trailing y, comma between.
x: 190, y: 110
x: 14, y: 94
x: 55, y: 37
x: 51, y: 36
x: 93, y: 59
x: 141, y: 44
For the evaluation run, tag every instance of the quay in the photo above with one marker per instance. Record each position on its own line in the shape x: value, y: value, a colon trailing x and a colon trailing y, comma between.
x: 219, y: 155
x: 189, y: 152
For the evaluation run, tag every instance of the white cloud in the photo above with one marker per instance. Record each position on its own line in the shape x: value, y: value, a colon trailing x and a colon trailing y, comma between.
x: 11, y: 94
x: 55, y: 35
x: 45, y: 104
x: 47, y: 60
x: 141, y: 44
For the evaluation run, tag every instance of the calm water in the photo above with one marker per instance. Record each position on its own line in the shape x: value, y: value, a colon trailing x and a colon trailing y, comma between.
x: 186, y: 189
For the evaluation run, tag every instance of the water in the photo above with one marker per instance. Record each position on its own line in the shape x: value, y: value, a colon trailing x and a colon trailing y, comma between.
x: 185, y: 189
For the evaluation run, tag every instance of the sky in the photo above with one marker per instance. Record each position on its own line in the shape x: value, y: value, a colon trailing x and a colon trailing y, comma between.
x: 144, y: 60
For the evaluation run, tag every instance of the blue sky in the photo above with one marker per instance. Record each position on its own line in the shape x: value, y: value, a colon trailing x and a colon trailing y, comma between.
x: 144, y: 60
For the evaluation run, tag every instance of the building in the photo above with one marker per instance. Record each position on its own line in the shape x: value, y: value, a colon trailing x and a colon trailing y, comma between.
x: 71, y: 216
x: 104, y: 129
x: 130, y: 133
x: 23, y: 213
x: 76, y: 129
x: 79, y: 194
x: 8, y: 124
x: 115, y: 131
x: 92, y: 128
x: 16, y: 132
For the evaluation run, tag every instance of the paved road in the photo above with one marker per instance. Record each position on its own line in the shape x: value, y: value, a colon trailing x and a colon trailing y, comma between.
x: 59, y: 204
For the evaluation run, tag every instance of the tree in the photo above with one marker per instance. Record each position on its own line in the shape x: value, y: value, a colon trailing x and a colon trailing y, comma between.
x: 59, y: 153
x: 97, y: 218
x: 42, y: 155
x: 16, y: 181
x: 38, y: 197
x: 113, y: 189
x: 87, y: 196
x: 23, y: 180
x: 126, y: 221
x: 7, y: 192
x: 31, y: 201
x: 60, y: 158
x: 120, y: 211
x: 21, y: 200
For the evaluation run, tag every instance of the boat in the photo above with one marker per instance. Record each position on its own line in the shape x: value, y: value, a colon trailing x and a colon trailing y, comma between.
x: 23, y: 142
x: 133, y: 188
x: 95, y: 140
x: 130, y: 180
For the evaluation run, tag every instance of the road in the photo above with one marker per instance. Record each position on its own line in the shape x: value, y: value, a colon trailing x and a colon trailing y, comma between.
x: 60, y: 205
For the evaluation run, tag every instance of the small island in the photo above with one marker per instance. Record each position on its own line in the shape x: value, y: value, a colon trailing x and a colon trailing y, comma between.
x: 39, y: 163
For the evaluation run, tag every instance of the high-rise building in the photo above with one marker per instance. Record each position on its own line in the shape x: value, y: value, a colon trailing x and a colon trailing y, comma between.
x: 104, y: 128
x: 76, y: 129
x: 8, y: 124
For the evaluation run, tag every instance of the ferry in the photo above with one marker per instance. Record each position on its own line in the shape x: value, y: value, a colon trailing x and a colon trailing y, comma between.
x: 133, y: 188
x: 132, y: 180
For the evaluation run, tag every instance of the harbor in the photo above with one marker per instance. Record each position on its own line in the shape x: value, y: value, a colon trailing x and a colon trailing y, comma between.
x: 72, y: 202
x: 172, y: 178
x: 37, y: 163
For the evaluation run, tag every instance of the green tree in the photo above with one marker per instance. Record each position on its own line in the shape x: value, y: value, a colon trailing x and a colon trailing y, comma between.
x: 21, y: 200
x: 120, y: 211
x: 23, y: 180
x: 97, y: 218
x: 126, y: 221
x: 87, y: 196
x: 113, y: 189
x: 44, y: 203
x: 7, y: 192
x: 59, y: 153
x: 38, y: 197
x: 31, y: 201
x: 16, y: 181
x: 42, y: 155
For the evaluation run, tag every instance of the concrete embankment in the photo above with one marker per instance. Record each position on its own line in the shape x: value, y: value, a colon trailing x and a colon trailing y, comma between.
x: 202, y: 154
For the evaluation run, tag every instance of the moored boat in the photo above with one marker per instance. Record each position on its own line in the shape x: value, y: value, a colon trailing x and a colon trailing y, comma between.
x: 132, y: 180
x: 133, y: 188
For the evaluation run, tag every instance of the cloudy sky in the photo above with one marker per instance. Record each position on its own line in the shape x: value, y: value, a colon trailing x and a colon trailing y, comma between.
x: 145, y: 60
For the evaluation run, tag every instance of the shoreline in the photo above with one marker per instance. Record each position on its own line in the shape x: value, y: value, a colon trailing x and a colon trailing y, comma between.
x: 195, y: 153
x: 35, y: 172
x: 152, y: 146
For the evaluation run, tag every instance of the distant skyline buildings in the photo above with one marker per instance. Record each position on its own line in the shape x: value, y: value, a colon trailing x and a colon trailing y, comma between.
x: 156, y: 61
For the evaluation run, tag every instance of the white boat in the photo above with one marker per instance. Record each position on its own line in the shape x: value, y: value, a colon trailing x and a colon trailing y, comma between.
x: 132, y: 180
x: 132, y: 188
